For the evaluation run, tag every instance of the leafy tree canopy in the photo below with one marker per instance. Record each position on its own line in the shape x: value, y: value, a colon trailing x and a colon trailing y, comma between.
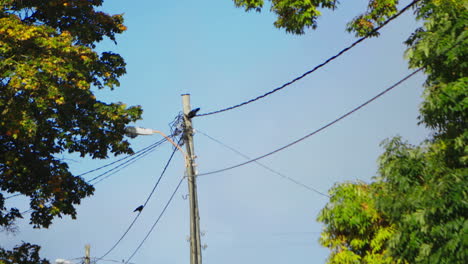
x: 355, y: 231
x: 414, y: 212
x: 441, y: 46
x: 24, y: 254
x: 425, y: 199
x: 47, y: 69
x: 295, y: 16
x: 422, y: 189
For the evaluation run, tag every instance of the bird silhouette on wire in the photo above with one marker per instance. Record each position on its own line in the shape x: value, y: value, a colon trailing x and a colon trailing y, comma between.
x: 139, y: 208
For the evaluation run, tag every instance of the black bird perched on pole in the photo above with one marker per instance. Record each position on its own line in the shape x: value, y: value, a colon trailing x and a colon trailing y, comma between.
x: 193, y: 113
x: 139, y: 208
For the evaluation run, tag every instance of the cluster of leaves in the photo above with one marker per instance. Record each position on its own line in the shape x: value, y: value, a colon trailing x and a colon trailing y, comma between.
x: 293, y: 15
x: 78, y: 17
x: 47, y: 69
x: 7, y: 218
x: 355, y: 231
x: 426, y: 186
x: 24, y: 254
x: 414, y: 212
x: 441, y: 48
x: 378, y: 11
x: 422, y: 189
x: 425, y: 199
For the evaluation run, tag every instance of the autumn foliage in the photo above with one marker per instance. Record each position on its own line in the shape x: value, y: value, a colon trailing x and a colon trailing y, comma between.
x: 48, y: 70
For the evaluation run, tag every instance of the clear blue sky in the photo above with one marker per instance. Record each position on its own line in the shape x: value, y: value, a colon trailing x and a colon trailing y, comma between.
x: 222, y: 56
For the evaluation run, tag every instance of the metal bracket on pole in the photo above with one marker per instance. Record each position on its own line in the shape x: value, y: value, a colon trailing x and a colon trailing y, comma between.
x: 134, y: 131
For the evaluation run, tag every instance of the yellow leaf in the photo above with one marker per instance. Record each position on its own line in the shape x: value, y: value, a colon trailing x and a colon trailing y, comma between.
x: 60, y: 100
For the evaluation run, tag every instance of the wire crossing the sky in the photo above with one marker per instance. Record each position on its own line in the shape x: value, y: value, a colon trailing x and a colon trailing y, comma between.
x: 128, y: 162
x: 135, y: 156
x: 144, y: 205
x: 265, y: 166
x: 156, y: 222
x: 119, y: 160
x: 124, y: 165
x: 318, y: 130
x: 11, y: 196
x: 108, y: 260
x: 316, y: 67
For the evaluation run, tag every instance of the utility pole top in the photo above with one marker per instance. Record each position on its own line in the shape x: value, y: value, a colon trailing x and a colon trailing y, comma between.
x: 87, y: 259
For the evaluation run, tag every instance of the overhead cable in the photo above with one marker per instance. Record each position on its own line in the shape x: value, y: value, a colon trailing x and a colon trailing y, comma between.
x: 140, y: 153
x: 156, y: 222
x: 110, y: 260
x: 265, y: 166
x: 316, y: 67
x: 144, y: 205
x: 11, y: 196
x: 128, y: 162
x: 318, y: 130
x: 119, y: 160
x: 122, y: 166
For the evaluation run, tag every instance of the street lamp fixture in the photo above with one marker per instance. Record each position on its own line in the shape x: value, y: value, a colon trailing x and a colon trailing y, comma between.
x: 133, y: 132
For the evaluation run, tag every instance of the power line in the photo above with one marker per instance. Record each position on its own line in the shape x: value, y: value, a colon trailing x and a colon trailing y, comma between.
x: 98, y: 259
x: 144, y: 205
x: 110, y: 260
x: 27, y: 211
x: 316, y: 67
x: 286, y: 233
x: 318, y: 130
x: 124, y: 158
x: 139, y: 153
x: 266, y: 167
x: 11, y: 196
x: 156, y: 222
x: 124, y: 165
x: 129, y: 162
x: 164, y: 170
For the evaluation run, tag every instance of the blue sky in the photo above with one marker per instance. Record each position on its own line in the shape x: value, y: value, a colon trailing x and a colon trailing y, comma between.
x: 222, y: 56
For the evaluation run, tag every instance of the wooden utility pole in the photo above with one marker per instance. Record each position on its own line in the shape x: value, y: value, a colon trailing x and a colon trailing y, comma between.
x: 195, y: 244
x: 87, y: 259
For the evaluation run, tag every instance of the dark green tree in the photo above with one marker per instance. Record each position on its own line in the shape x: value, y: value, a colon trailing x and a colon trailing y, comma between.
x: 24, y: 254
x: 48, y: 67
x: 427, y: 185
x: 355, y: 231
x: 295, y: 16
x: 425, y: 199
x: 422, y: 189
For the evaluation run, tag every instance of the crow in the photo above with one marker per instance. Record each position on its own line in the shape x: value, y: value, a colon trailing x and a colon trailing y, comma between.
x: 139, y: 208
x: 193, y: 113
